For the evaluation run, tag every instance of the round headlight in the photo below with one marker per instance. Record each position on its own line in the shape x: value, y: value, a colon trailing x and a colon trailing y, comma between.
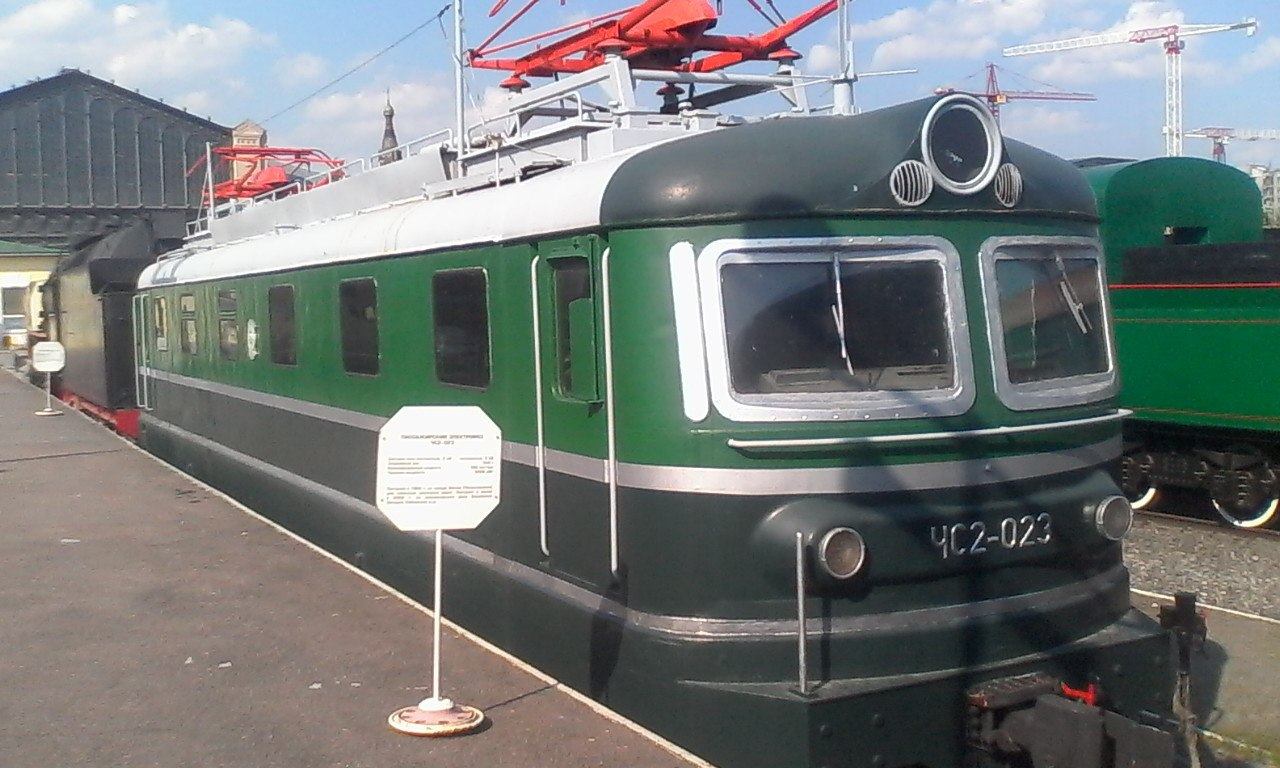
x: 1113, y: 517
x: 841, y: 553
x: 960, y: 143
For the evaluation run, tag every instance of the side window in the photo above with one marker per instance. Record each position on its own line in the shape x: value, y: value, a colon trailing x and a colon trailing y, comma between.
x: 576, y: 368
x: 358, y: 317
x: 188, y: 341
x: 160, y: 323
x: 460, y: 300
x: 228, y: 326
x: 280, y: 314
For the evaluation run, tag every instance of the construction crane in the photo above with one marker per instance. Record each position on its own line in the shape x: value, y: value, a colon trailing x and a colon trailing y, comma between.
x: 1221, y: 136
x: 1172, y: 35
x: 996, y: 97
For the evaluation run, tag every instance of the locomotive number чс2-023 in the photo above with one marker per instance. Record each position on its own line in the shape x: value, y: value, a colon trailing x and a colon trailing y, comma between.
x: 977, y: 537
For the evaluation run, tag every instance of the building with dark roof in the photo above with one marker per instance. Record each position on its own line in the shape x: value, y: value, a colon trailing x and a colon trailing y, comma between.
x: 79, y: 154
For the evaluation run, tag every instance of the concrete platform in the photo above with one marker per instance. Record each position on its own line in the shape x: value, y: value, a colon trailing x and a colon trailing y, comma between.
x: 145, y: 621
x: 1235, y: 682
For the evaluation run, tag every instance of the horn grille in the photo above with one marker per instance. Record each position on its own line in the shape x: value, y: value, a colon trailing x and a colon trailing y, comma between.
x: 911, y: 183
x: 1008, y: 185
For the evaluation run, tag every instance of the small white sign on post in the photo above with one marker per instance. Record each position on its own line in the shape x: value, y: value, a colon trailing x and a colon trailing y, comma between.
x: 48, y: 357
x: 439, y: 469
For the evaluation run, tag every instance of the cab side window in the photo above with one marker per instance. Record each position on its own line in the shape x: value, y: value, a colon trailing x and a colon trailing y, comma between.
x: 460, y: 315
x: 358, y: 318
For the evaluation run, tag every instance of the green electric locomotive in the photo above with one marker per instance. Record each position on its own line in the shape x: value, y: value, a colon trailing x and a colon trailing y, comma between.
x: 806, y: 420
x: 1196, y: 291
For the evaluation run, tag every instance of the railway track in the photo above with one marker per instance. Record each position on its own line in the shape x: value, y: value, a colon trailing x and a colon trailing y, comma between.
x: 1227, y: 567
x: 1191, y: 519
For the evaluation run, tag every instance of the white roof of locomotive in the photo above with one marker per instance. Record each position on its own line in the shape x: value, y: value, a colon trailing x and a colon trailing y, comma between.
x: 525, y: 181
x: 565, y: 200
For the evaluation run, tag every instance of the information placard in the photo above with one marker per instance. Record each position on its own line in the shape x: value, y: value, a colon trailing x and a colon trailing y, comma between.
x: 439, y: 467
x: 48, y: 357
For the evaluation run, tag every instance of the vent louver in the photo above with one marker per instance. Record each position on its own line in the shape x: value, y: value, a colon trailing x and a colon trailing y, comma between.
x: 911, y: 183
x: 1008, y: 185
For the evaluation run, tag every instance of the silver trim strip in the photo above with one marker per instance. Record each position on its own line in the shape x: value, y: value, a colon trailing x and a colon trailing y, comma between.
x: 869, y: 479
x: 539, y: 417
x: 320, y: 411
x: 611, y: 435
x: 835, y: 442
x: 141, y: 307
x: 725, y: 481
x: 691, y: 347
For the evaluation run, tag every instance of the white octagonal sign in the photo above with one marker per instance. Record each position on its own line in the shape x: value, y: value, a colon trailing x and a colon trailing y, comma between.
x: 48, y: 357
x: 439, y: 467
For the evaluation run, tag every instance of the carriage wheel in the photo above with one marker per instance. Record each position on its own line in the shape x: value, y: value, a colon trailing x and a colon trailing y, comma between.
x: 1145, y: 498
x: 1257, y: 516
x: 1252, y: 500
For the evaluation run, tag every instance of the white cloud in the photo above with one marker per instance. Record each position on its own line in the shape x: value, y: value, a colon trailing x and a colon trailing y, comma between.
x: 43, y: 18
x: 349, y: 125
x: 1041, y: 124
x: 123, y: 14
x: 1124, y: 61
x: 949, y: 29
x: 1242, y: 153
x: 138, y: 45
x: 1265, y: 56
x: 302, y: 68
x: 822, y: 58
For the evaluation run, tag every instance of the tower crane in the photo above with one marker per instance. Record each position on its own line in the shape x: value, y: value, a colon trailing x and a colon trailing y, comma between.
x: 1221, y: 136
x: 997, y: 97
x: 1172, y: 35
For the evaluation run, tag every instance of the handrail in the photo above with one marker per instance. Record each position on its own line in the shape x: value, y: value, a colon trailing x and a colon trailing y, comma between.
x: 356, y: 167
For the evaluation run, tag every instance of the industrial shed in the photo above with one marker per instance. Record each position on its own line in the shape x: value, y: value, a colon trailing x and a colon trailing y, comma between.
x: 79, y: 154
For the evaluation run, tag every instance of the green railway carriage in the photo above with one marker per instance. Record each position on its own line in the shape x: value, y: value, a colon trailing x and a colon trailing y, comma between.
x: 863, y: 360
x: 1196, y: 295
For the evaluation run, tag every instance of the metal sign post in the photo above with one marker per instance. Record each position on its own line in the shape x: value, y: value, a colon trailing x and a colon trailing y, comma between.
x: 48, y: 357
x: 439, y: 468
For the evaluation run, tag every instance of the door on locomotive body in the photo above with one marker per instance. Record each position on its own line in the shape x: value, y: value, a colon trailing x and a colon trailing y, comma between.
x: 572, y: 417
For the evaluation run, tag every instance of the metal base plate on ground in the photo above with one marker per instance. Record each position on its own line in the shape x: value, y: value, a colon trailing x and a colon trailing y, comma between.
x: 436, y: 718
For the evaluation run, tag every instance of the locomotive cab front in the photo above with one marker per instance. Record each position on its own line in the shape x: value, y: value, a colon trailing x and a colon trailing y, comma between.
x: 897, y: 392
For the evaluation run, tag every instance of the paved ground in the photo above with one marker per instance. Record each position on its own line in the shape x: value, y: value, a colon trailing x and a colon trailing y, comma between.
x: 147, y: 622
x: 1236, y: 680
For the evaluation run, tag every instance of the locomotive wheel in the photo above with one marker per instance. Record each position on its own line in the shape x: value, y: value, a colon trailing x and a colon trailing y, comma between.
x: 1257, y: 517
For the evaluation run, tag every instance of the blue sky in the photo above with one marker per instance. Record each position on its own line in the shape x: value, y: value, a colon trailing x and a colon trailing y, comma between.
x: 251, y: 59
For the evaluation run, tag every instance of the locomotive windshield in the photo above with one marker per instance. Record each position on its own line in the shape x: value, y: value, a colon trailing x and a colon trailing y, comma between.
x: 850, y: 326
x: 1050, y: 326
x: 835, y: 329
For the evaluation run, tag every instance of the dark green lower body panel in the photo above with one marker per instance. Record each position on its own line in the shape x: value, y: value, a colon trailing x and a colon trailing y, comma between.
x: 727, y: 695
